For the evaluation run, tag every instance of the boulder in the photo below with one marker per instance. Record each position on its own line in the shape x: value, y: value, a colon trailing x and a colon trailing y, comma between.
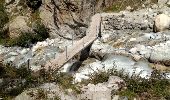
x: 161, y: 23
x: 162, y: 2
x: 17, y: 26
x: 102, y: 91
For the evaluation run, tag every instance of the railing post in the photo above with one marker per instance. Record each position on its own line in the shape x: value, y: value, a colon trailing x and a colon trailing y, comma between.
x: 72, y: 39
x: 97, y: 32
x: 83, y: 42
x: 66, y: 52
x: 28, y: 64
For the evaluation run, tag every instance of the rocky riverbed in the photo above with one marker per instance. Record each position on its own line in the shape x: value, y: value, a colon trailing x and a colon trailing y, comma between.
x: 127, y: 42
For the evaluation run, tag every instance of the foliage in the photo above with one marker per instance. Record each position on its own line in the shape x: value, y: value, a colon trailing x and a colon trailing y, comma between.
x: 66, y: 82
x: 26, y: 39
x: 157, y: 86
x: 34, y: 4
x: 3, y: 15
x: 96, y: 78
x: 41, y: 94
x: 3, y: 20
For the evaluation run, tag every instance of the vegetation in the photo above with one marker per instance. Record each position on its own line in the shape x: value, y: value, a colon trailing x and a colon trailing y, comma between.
x: 3, y: 15
x: 157, y: 87
x: 34, y: 4
x: 3, y: 20
x: 16, y: 80
x: 26, y: 39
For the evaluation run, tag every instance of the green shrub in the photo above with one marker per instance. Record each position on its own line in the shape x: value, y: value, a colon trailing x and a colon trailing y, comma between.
x: 98, y: 77
x: 3, y: 14
x: 156, y: 87
x: 34, y: 4
x: 26, y: 39
x: 66, y: 82
x: 3, y: 20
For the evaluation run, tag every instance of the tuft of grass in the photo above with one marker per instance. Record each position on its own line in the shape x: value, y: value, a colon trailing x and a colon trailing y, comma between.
x: 96, y: 78
x: 41, y: 94
x: 66, y: 82
x: 157, y: 86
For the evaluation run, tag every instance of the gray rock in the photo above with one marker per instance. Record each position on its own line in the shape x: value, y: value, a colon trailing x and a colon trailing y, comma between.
x: 161, y: 22
x: 162, y: 2
x: 17, y: 26
x: 102, y: 91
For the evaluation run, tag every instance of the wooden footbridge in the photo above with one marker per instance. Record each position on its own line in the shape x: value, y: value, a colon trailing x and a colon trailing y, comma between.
x: 91, y: 35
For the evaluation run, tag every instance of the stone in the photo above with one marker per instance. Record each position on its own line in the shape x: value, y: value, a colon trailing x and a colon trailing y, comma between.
x: 17, y: 26
x: 129, y: 8
x: 161, y: 23
x: 168, y: 3
x: 162, y: 2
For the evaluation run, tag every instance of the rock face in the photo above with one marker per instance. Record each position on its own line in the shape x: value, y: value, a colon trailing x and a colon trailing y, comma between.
x: 162, y: 23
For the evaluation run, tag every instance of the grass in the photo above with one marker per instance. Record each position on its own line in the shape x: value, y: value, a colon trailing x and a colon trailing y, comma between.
x: 157, y: 87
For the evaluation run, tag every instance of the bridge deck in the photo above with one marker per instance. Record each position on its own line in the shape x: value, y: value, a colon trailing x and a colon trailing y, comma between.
x: 78, y: 46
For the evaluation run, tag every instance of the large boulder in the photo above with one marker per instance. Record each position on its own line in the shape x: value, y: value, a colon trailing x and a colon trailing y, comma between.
x: 17, y: 26
x: 161, y: 22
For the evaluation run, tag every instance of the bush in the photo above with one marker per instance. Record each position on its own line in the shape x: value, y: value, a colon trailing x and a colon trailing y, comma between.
x: 3, y: 20
x: 3, y: 15
x: 27, y: 39
x: 34, y: 4
x: 156, y: 87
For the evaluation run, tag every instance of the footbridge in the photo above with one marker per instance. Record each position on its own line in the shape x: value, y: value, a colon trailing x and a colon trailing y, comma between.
x: 91, y: 35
